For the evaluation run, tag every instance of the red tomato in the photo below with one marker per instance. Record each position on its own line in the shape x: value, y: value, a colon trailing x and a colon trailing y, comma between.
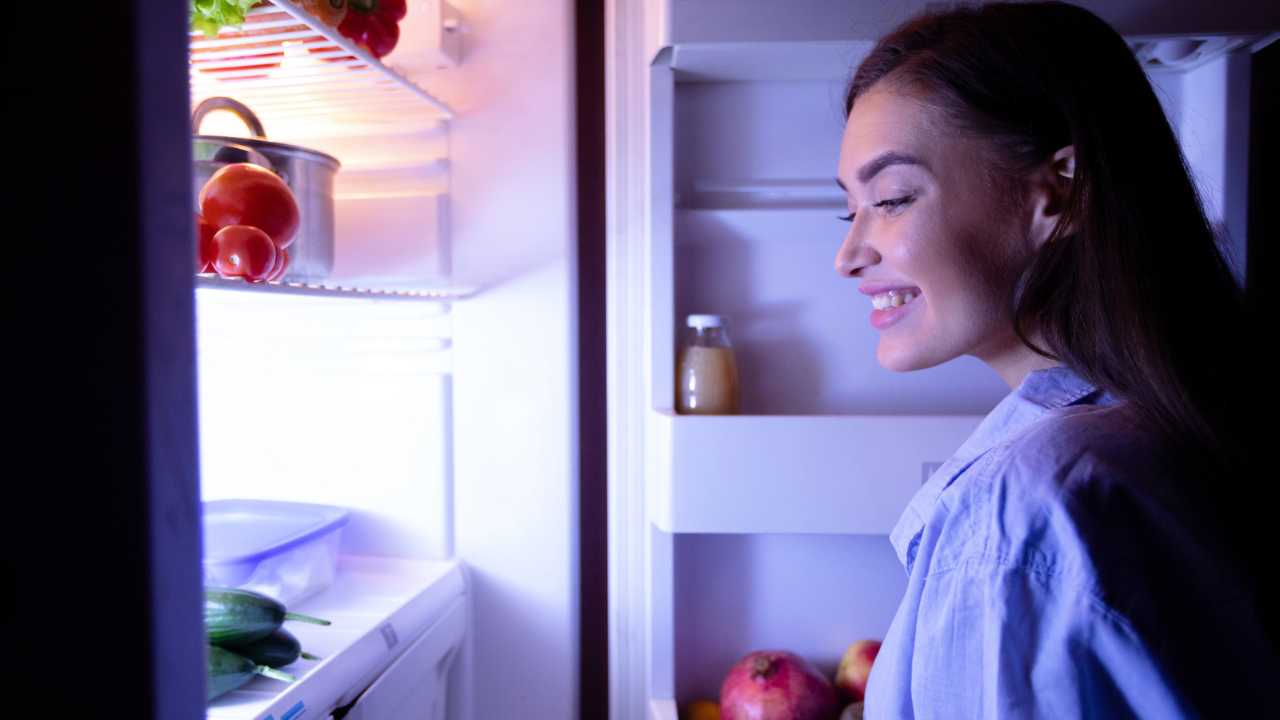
x: 245, y: 252
x: 248, y: 194
x: 376, y: 31
x: 282, y: 263
x: 206, y: 248
x: 394, y: 9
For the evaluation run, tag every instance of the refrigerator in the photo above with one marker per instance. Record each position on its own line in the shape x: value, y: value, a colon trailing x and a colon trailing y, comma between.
x: 486, y: 379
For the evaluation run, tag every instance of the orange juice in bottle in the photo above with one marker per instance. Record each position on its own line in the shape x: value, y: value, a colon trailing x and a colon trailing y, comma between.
x: 706, y: 373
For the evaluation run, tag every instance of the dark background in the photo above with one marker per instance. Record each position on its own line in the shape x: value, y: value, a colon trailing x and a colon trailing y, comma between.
x: 593, y: 438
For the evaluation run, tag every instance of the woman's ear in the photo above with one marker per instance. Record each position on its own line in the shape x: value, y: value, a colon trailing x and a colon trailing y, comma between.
x: 1052, y: 188
x: 1064, y: 162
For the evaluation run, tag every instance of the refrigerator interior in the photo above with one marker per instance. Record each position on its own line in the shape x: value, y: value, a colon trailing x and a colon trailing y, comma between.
x: 406, y: 407
x: 768, y: 531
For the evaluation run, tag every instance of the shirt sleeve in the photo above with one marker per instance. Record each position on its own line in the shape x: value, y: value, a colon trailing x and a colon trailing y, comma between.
x: 1006, y: 641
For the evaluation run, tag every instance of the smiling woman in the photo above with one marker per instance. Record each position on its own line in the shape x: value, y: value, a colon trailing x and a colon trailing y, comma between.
x: 1013, y: 199
x: 938, y: 219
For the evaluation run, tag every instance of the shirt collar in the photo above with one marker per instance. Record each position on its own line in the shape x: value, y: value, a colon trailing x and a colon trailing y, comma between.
x: 1041, y: 391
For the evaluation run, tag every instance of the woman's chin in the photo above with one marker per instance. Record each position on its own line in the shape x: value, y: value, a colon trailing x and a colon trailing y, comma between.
x: 899, y: 356
x: 894, y: 359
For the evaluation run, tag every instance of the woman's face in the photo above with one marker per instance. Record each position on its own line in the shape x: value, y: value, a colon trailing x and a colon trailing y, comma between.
x: 934, y: 224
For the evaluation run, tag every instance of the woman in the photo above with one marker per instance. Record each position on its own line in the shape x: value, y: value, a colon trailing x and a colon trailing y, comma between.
x: 1090, y: 550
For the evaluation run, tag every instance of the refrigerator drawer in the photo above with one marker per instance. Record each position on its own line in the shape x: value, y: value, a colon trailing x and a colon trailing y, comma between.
x: 416, y: 685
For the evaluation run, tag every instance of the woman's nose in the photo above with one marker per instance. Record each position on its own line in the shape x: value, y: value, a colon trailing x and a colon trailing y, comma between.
x: 851, y: 256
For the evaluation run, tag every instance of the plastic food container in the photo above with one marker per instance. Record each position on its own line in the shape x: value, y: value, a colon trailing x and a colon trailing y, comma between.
x: 286, y: 550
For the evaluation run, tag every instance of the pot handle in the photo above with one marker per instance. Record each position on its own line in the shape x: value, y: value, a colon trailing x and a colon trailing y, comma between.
x: 241, y: 110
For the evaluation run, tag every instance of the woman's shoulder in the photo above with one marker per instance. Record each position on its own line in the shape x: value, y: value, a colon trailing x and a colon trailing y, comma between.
x: 1089, y: 495
x: 1071, y: 450
x: 1078, y: 448
x: 1019, y: 505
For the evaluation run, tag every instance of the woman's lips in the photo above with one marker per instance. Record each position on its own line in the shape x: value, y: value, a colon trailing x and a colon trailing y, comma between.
x: 875, y: 288
x: 881, y: 319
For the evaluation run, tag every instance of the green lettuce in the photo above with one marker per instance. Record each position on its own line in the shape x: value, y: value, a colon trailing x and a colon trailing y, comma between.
x: 208, y: 16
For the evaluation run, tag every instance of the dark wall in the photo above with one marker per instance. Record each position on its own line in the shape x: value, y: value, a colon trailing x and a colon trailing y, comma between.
x: 593, y: 439
x: 1264, y: 153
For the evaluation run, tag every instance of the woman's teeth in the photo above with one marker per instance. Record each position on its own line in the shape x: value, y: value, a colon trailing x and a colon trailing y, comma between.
x: 893, y: 298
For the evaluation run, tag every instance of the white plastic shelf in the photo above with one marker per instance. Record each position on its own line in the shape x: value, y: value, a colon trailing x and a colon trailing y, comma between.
x: 296, y: 72
x: 1181, y: 53
x: 663, y: 709
x: 851, y: 474
x: 378, y: 608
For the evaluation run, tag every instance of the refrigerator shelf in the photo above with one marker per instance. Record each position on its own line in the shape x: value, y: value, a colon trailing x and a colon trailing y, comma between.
x: 845, y: 474
x: 435, y: 294
x: 380, y: 608
x: 1185, y: 52
x: 302, y: 77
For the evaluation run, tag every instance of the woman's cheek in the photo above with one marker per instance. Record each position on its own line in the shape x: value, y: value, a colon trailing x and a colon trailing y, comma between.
x: 915, y: 257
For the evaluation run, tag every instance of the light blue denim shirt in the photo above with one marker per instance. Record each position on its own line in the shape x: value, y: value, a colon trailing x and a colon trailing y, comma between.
x: 1053, y: 575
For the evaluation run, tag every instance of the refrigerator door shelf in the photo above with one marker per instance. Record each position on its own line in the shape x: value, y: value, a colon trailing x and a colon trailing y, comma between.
x: 776, y: 473
x: 663, y: 709
x: 379, y: 609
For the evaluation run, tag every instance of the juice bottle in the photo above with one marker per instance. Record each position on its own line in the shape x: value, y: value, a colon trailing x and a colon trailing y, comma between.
x: 706, y: 373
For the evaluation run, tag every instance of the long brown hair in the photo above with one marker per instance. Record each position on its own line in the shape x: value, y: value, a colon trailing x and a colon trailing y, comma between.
x: 1132, y: 290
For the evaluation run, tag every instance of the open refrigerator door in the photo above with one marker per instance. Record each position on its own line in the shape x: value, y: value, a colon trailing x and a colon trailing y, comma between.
x: 767, y: 529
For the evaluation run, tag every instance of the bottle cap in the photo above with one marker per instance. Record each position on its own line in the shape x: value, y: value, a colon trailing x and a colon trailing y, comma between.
x: 705, y: 321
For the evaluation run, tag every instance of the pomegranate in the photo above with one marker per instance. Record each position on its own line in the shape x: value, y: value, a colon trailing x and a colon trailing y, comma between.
x: 776, y: 685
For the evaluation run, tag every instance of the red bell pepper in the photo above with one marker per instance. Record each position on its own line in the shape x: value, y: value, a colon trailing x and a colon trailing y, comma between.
x: 373, y: 24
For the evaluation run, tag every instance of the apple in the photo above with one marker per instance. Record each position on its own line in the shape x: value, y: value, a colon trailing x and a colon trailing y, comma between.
x: 855, y: 666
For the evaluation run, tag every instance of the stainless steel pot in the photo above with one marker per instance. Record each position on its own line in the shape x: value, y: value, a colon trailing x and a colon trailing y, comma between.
x: 308, y: 173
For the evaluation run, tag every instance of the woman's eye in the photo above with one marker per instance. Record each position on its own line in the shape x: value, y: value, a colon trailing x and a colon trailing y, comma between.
x: 895, y: 202
x: 892, y: 203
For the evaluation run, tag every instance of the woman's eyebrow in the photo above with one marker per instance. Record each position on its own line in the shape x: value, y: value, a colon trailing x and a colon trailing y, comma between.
x: 892, y: 157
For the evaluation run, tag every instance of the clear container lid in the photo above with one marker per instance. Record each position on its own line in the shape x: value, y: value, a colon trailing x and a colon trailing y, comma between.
x: 248, y: 530
x: 705, y: 321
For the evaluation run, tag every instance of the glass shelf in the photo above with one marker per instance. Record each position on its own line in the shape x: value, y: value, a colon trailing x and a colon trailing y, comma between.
x: 297, y: 73
x: 440, y: 293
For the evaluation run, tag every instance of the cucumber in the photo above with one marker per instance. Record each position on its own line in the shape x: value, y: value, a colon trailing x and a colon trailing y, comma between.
x: 228, y: 671
x: 233, y: 616
x: 276, y: 650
